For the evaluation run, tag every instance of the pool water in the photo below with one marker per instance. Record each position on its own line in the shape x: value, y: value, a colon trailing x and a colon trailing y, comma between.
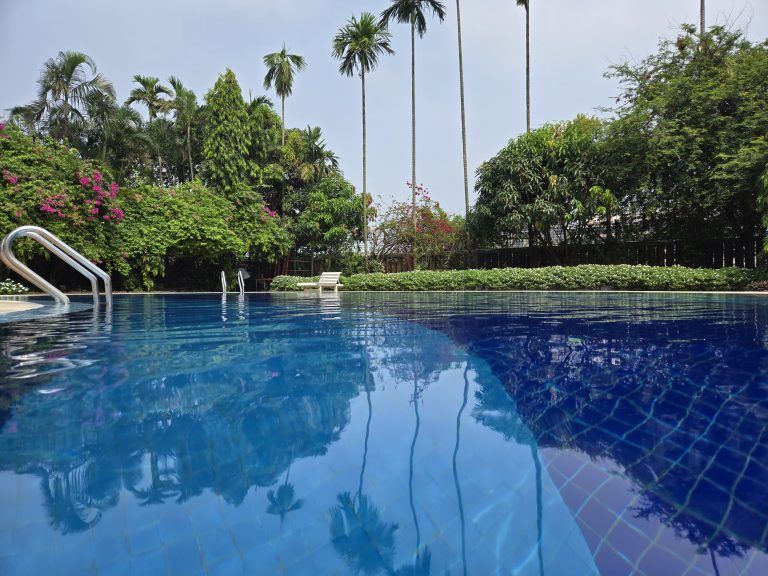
x: 469, y: 433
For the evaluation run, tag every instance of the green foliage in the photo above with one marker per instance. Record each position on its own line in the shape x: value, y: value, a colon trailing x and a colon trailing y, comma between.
x: 585, y: 277
x: 135, y: 232
x: 46, y: 184
x: 329, y: 216
x: 546, y: 184
x: 691, y: 135
x: 228, y: 139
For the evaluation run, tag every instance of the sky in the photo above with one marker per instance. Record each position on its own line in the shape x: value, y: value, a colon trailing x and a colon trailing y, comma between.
x: 573, y: 42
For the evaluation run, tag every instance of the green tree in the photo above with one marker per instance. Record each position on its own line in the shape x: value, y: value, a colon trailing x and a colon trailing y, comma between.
x: 317, y: 160
x: 690, y: 138
x: 358, y: 45
x: 281, y: 71
x: 525, y: 4
x: 63, y: 87
x: 329, y: 216
x: 184, y: 107
x: 551, y: 181
x: 227, y: 142
x: 149, y: 92
x: 413, y: 12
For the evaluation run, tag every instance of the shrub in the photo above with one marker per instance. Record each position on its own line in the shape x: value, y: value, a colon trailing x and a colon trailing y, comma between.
x: 585, y: 277
x: 11, y: 287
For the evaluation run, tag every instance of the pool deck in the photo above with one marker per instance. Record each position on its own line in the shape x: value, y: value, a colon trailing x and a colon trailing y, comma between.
x: 8, y: 306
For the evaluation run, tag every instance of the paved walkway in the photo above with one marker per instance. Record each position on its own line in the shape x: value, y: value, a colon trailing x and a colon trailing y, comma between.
x: 7, y: 306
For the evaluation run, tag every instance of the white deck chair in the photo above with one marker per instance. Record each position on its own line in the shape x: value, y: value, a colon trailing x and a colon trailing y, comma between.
x: 327, y: 280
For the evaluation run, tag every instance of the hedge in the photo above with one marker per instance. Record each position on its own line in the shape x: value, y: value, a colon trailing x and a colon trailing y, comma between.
x: 585, y: 277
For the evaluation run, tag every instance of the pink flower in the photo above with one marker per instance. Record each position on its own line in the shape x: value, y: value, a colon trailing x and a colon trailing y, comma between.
x: 85, y: 180
x: 93, y: 211
x: 18, y: 214
x: 96, y: 188
x: 13, y: 179
x: 106, y: 216
x: 113, y: 189
x: 2, y: 126
x: 47, y: 208
x: 96, y: 176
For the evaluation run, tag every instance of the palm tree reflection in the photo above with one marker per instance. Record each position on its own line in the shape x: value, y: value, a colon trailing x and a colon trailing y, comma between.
x: 358, y: 535
x: 283, y: 501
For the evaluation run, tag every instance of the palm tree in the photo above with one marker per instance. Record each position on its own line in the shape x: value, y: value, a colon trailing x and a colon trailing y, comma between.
x: 412, y: 12
x: 701, y: 17
x: 64, y: 87
x: 317, y: 161
x: 463, y: 116
x: 149, y: 93
x: 27, y: 119
x: 184, y: 107
x: 358, y: 45
x: 101, y: 107
x: 524, y: 3
x: 127, y: 142
x: 281, y: 70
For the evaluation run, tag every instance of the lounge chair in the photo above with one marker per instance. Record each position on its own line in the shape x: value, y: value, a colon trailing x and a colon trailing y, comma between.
x: 327, y: 280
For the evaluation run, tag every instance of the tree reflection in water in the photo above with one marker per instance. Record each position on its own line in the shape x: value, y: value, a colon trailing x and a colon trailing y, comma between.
x: 676, y: 402
x: 358, y: 535
x: 283, y: 501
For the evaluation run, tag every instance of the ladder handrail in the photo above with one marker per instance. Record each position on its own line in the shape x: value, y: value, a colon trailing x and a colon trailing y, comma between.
x: 61, y: 249
x: 223, y: 282
x: 241, y: 281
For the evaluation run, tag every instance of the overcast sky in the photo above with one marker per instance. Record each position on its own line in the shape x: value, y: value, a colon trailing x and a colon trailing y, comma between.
x: 573, y: 42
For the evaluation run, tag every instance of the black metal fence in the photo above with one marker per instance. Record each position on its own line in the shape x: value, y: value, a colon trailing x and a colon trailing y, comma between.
x: 187, y: 273
x: 708, y: 254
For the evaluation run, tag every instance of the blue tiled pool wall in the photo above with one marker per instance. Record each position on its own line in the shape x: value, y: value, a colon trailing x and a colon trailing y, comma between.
x: 238, y: 452
x: 653, y: 430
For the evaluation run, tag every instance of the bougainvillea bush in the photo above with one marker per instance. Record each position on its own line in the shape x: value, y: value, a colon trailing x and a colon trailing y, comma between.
x: 45, y: 184
x: 129, y: 231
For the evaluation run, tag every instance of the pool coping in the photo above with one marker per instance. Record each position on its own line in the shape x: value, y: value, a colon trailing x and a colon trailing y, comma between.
x: 13, y: 305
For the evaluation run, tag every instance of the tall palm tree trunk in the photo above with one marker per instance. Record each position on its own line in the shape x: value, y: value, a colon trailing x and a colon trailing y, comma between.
x: 701, y: 17
x: 528, y: 68
x: 365, y: 193
x: 282, y: 114
x: 189, y: 152
x: 413, y: 134
x: 463, y: 116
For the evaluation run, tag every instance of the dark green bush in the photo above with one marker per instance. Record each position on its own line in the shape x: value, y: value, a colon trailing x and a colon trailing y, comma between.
x: 586, y: 277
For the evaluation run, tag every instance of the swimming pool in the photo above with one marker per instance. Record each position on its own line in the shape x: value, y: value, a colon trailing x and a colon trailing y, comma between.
x: 468, y: 433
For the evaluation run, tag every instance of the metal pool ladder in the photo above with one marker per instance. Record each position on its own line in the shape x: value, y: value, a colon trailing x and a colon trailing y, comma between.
x: 57, y: 246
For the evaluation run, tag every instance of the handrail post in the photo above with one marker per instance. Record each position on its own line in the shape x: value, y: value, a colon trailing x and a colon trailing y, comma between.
x: 64, y: 251
x: 223, y: 282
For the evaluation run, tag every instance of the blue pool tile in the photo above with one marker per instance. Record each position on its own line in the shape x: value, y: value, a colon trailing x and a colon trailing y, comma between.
x: 151, y: 563
x: 217, y: 545
x: 232, y: 566
x: 144, y: 541
x: 183, y: 558
x: 658, y: 560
